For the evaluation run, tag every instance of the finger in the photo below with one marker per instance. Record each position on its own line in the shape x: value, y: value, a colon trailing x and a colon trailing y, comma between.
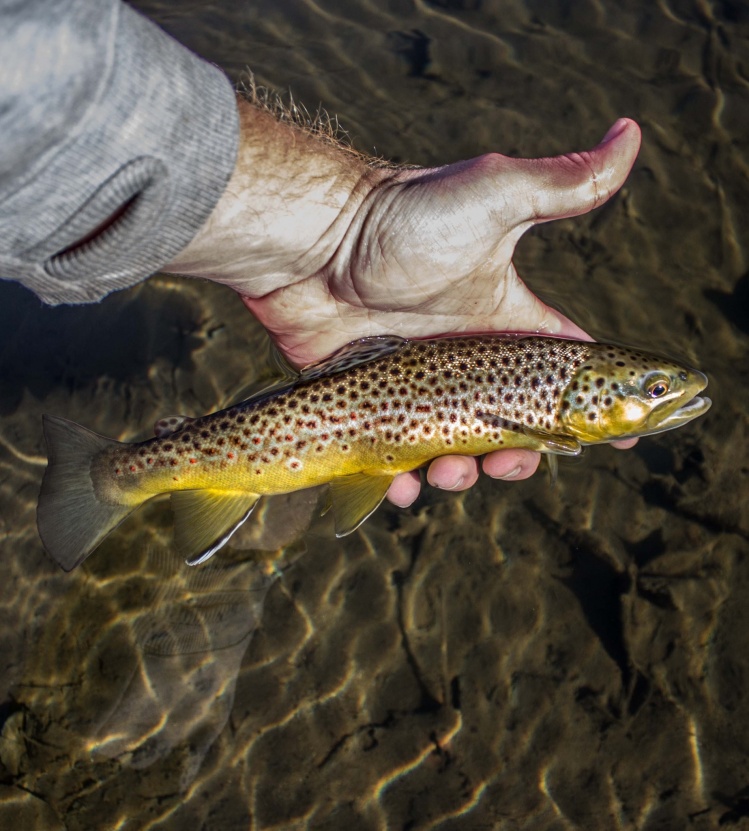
x: 404, y: 489
x: 453, y: 473
x: 575, y: 183
x: 624, y: 444
x: 511, y: 465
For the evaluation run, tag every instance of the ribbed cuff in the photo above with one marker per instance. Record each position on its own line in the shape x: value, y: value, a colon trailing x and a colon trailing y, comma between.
x: 160, y: 137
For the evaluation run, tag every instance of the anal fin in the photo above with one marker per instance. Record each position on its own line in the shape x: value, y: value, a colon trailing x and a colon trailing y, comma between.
x: 204, y: 520
x: 355, y: 498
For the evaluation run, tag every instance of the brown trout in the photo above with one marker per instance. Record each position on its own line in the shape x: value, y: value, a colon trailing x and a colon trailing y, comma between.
x: 376, y: 408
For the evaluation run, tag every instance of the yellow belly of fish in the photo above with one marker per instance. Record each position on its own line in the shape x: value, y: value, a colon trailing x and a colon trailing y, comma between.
x: 311, y: 468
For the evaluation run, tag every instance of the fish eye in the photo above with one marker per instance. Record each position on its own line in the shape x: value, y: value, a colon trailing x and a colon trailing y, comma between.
x: 657, y: 389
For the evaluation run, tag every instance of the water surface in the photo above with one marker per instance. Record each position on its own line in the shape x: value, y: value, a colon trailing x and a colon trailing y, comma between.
x: 516, y: 657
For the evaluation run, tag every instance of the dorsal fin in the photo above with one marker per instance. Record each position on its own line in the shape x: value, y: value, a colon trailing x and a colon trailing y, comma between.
x: 170, y: 424
x: 352, y: 354
x: 283, y: 376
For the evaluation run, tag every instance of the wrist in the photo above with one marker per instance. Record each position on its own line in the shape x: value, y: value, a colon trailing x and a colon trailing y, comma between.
x: 285, y: 209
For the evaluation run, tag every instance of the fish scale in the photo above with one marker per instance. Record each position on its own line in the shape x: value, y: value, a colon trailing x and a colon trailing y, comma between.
x: 380, y: 407
x: 390, y: 414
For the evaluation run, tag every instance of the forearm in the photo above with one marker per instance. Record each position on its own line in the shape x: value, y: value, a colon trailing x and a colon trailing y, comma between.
x: 287, y: 206
x: 103, y: 115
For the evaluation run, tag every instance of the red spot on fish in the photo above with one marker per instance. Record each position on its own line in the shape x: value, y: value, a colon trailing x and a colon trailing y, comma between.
x: 193, y: 461
x: 118, y: 472
x: 230, y: 455
x: 133, y: 468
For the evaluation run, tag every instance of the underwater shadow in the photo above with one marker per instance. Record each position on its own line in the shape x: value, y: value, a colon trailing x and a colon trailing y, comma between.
x: 68, y: 347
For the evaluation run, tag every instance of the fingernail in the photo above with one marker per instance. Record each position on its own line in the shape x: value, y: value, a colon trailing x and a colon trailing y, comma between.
x: 457, y: 484
x: 617, y: 128
x: 513, y: 473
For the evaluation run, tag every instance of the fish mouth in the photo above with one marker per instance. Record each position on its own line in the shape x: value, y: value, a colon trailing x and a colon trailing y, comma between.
x: 694, y: 408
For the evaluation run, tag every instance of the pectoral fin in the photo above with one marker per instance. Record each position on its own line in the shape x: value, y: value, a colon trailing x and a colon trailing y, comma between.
x: 553, y: 464
x: 548, y: 443
x: 530, y: 438
x: 355, y: 498
x: 204, y: 520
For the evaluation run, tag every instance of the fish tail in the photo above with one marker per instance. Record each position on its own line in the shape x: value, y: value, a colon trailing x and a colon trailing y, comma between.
x: 71, y: 519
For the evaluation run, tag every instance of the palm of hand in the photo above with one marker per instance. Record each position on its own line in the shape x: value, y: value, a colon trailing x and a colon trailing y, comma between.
x: 429, y: 252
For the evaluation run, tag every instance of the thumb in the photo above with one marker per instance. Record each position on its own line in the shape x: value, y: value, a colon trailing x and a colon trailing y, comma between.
x: 575, y: 183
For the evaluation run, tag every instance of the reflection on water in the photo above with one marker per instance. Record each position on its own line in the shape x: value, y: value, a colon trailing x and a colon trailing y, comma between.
x: 518, y: 657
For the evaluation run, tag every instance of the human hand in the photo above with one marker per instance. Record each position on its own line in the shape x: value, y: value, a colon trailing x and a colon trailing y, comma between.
x: 335, y: 250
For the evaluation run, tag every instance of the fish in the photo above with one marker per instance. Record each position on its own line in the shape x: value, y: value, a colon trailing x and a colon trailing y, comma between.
x: 377, y: 407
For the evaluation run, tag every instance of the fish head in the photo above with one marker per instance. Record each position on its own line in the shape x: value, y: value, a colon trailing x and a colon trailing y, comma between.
x: 619, y: 393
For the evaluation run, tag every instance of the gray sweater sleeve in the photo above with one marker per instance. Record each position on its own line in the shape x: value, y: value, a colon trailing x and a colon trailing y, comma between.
x: 101, y: 112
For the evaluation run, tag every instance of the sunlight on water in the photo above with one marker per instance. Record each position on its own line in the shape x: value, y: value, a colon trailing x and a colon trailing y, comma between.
x: 517, y: 657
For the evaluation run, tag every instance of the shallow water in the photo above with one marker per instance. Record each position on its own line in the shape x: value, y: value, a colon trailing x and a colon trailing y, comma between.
x: 516, y: 657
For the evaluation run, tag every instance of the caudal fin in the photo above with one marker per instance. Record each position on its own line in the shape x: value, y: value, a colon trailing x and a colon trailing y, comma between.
x: 71, y: 520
